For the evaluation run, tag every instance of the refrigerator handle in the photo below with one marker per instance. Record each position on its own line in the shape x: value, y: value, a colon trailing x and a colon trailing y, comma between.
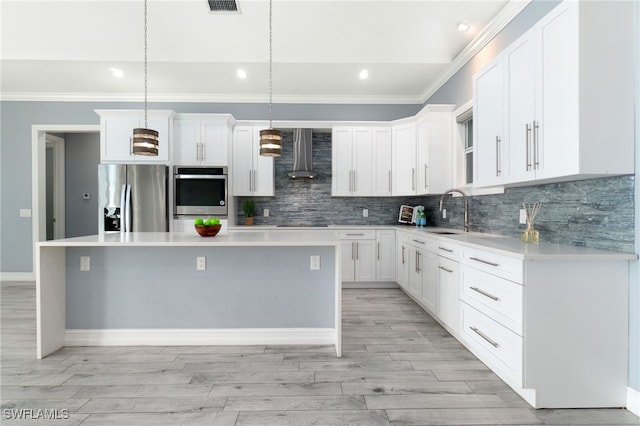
x: 127, y: 209
x: 123, y: 203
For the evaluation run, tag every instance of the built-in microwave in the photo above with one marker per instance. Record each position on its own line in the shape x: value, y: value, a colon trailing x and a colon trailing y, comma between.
x: 199, y: 191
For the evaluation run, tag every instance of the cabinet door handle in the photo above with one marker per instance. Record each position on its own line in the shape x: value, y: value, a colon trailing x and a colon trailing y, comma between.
x: 527, y: 129
x: 353, y: 256
x: 485, y: 294
x: 403, y: 261
x: 418, y: 241
x: 445, y: 249
x: 418, y: 263
x: 254, y: 181
x: 416, y: 266
x: 130, y: 146
x: 250, y: 180
x: 350, y: 180
x: 486, y: 262
x: 485, y: 337
x: 445, y: 269
x: 357, y: 251
x: 204, y: 153
x: 378, y: 251
x: 355, y: 235
x: 413, y: 179
x: 536, y: 162
x: 390, y: 182
x: 355, y: 181
x: 498, y: 159
x: 426, y: 185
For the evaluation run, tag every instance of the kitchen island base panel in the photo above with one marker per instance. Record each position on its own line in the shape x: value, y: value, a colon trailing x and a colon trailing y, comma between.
x: 145, y: 289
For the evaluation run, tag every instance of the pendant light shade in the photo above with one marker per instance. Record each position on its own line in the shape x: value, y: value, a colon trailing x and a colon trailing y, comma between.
x: 270, y: 139
x: 145, y: 140
x: 270, y: 143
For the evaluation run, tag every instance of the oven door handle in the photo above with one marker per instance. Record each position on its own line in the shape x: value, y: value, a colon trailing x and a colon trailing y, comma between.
x: 200, y: 176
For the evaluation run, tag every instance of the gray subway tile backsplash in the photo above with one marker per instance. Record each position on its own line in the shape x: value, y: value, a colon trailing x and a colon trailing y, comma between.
x: 597, y: 213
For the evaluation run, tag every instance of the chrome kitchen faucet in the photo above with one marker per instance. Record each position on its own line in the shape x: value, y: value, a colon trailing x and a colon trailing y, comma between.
x: 466, y: 205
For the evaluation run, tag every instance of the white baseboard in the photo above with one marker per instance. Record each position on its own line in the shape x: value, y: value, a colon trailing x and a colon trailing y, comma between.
x: 17, y: 276
x: 633, y: 401
x: 200, y: 337
x: 369, y: 284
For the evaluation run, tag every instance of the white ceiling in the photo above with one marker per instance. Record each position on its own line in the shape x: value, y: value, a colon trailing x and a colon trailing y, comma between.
x: 64, y: 49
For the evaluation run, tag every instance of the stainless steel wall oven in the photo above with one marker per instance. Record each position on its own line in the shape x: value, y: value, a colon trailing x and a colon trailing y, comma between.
x: 199, y: 191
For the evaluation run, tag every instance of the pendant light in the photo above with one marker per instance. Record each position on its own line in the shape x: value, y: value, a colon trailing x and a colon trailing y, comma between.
x: 270, y: 139
x: 145, y: 140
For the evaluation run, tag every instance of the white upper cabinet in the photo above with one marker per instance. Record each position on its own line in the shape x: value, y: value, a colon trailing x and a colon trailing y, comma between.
x: 435, y: 149
x: 252, y: 174
x: 522, y: 124
x: 382, y: 179
x: 201, y: 139
x: 567, y: 112
x: 404, y: 159
x: 116, y: 135
x: 488, y: 126
x: 355, y: 160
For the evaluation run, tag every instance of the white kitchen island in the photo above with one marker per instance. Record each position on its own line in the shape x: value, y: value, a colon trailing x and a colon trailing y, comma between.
x: 145, y: 289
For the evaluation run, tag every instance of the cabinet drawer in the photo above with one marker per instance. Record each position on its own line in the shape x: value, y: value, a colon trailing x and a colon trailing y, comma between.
x: 494, y: 263
x: 495, y: 345
x: 449, y: 250
x: 355, y: 234
x: 496, y: 297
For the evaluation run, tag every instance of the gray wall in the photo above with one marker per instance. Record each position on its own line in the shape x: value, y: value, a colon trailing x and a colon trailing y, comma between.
x: 159, y: 287
x: 82, y: 156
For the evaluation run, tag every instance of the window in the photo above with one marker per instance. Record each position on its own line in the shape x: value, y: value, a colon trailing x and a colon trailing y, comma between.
x: 464, y: 118
x: 468, y: 150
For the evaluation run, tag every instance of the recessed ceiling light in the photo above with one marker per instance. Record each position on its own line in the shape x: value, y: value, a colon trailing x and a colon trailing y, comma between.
x: 463, y: 26
x: 118, y: 73
x: 364, y: 74
x: 242, y: 74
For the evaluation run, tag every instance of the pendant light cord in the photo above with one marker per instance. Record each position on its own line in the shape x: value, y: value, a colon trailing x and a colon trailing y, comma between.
x: 270, y: 66
x: 146, y: 126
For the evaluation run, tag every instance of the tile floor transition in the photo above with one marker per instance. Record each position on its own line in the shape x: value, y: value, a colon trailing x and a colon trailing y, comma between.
x: 399, y: 368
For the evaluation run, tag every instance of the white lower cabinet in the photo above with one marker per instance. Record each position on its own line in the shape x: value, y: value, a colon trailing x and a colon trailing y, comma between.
x: 385, y: 255
x: 358, y: 255
x: 402, y: 262
x: 552, y: 328
x: 448, y: 290
x: 552, y: 324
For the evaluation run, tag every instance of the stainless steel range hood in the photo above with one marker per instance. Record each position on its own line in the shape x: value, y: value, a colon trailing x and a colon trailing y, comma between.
x: 302, y: 155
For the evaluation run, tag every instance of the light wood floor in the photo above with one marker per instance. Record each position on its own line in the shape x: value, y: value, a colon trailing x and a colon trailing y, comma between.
x: 399, y: 367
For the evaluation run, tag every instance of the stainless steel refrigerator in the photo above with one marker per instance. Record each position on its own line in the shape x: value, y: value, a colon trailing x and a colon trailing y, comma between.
x: 133, y: 198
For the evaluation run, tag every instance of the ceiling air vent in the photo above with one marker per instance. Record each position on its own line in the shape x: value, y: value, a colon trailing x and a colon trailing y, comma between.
x: 223, y: 6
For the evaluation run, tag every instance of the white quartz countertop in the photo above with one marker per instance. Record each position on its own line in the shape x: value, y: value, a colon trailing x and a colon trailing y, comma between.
x: 168, y: 239
x: 516, y: 248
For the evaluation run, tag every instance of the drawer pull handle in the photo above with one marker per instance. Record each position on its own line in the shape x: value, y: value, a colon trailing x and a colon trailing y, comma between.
x: 486, y: 262
x: 445, y: 269
x: 490, y: 296
x: 418, y: 241
x: 356, y: 235
x: 485, y: 337
x: 445, y: 249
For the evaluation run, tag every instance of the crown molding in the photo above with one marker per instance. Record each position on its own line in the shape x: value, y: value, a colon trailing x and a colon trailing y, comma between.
x: 497, y: 24
x: 207, y: 98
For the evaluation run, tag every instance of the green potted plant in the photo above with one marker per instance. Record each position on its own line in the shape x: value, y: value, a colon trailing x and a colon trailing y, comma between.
x: 249, y: 209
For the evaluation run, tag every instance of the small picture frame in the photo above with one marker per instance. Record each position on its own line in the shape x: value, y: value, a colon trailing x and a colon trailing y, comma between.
x: 406, y: 214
